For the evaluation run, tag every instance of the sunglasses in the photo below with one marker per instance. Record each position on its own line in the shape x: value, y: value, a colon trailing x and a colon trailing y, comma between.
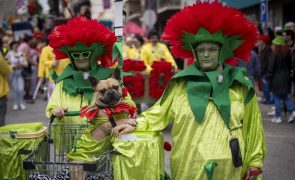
x: 81, y: 55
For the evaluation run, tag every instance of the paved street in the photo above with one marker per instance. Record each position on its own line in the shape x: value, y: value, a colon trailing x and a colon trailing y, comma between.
x: 279, y: 163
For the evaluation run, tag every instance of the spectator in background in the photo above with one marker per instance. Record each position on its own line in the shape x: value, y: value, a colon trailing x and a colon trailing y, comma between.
x: 127, y: 43
x: 289, y: 36
x: 49, y: 22
x: 264, y: 56
x: 5, y: 45
x: 290, y: 26
x: 24, y: 49
x: 135, y: 51
x: 278, y: 73
x: 47, y: 58
x: 18, y: 63
x: 253, y: 69
x: 5, y: 70
x: 34, y: 54
x: 156, y: 51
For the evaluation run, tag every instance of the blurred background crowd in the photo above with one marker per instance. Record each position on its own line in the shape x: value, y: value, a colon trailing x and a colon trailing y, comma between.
x: 26, y: 24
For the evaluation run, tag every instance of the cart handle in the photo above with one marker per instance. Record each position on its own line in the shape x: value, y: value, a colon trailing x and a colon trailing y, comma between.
x: 68, y: 113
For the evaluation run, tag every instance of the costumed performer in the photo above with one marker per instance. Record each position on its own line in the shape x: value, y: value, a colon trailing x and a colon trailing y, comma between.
x: 217, y: 128
x: 88, y: 44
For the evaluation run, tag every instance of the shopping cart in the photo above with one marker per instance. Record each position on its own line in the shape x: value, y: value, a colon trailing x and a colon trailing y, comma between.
x: 49, y: 159
x: 16, y: 142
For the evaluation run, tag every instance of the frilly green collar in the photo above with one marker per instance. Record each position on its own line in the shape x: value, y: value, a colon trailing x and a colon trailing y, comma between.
x: 74, y: 83
x: 203, y: 86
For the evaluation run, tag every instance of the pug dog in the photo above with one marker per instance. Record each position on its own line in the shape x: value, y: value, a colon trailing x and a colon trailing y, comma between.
x: 107, y: 93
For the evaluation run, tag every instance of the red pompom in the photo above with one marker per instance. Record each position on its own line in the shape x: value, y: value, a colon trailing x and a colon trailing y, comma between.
x: 167, y: 146
x: 133, y: 65
x: 159, y: 78
x: 135, y: 85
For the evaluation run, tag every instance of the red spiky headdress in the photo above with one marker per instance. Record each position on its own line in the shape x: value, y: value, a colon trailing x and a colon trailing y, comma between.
x: 215, y: 22
x: 86, y: 32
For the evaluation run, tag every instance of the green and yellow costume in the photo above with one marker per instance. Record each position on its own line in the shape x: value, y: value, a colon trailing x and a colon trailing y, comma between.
x: 197, y: 145
x: 209, y: 108
x: 141, y: 154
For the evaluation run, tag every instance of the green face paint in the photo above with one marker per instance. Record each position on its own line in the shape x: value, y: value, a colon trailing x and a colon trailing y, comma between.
x: 207, y: 54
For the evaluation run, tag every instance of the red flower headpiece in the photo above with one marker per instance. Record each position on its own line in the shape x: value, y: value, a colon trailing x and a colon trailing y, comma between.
x: 87, y: 32
x: 225, y: 23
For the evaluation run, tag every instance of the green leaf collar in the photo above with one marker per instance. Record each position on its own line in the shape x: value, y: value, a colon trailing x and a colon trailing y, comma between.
x: 203, y: 86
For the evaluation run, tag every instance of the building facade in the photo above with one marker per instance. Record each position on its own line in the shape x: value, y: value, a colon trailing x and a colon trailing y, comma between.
x: 279, y: 11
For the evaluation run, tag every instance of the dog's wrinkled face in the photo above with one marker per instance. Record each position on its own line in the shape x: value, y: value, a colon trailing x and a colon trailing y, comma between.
x: 107, y: 92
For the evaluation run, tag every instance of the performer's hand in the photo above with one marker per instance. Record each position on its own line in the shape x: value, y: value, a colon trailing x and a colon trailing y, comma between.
x: 130, y: 121
x: 134, y: 116
x: 252, y: 176
x: 59, y: 112
x: 123, y: 129
x: 54, y: 63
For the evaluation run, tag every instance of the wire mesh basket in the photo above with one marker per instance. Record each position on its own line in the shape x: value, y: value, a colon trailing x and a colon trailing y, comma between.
x: 49, y: 160
x: 65, y: 138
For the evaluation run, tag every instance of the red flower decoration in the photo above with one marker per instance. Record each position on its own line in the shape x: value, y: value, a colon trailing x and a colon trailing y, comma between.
x: 89, y: 112
x: 167, y: 146
x: 133, y: 65
x: 135, y: 85
x: 159, y: 78
x: 92, y: 110
x: 122, y: 107
x: 86, y: 31
x: 213, y: 16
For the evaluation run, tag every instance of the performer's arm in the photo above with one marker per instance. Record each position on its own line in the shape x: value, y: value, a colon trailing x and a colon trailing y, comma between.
x: 255, y: 146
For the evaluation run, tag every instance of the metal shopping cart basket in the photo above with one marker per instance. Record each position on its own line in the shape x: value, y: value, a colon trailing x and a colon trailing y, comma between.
x: 49, y: 159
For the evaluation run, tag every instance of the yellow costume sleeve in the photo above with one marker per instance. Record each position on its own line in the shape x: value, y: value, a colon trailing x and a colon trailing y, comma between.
x: 159, y: 115
x: 255, y: 146
x: 60, y: 99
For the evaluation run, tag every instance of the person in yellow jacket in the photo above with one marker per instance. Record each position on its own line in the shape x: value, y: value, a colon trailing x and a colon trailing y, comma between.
x: 217, y: 128
x: 5, y: 70
x: 156, y: 51
x: 48, y: 62
x: 126, y: 46
x: 134, y: 52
